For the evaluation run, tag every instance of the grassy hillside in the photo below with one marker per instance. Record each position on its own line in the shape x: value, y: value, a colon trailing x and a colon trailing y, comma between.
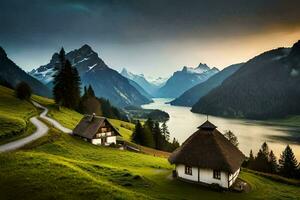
x: 60, y: 166
x: 125, y: 128
x: 14, y: 116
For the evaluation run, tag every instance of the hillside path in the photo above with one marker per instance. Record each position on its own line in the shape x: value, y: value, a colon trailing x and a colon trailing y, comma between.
x: 53, y: 122
x: 41, y: 130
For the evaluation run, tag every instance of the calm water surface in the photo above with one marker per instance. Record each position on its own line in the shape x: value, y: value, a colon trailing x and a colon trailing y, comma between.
x: 251, y: 134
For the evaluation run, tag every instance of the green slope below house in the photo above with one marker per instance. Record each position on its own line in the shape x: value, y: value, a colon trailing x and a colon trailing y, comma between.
x: 60, y: 166
x: 14, y: 116
x: 191, y: 96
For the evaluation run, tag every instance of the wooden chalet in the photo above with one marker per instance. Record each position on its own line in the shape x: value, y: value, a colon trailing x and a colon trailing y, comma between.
x: 97, y: 130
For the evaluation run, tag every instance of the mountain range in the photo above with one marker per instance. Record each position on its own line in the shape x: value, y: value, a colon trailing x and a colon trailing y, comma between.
x: 13, y: 74
x: 266, y: 86
x: 191, y: 96
x: 106, y: 82
x: 149, y: 87
x: 185, y: 79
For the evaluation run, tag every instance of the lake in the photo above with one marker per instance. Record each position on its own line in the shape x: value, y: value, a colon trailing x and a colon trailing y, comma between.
x: 251, y: 134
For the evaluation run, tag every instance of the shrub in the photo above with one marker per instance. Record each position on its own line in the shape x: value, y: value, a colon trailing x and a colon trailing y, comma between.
x: 23, y: 91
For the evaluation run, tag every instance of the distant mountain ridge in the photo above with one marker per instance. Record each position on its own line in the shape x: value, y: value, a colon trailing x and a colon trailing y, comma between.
x: 140, y: 79
x: 191, y: 96
x: 185, y: 79
x: 266, y: 86
x: 13, y: 74
x: 106, y: 82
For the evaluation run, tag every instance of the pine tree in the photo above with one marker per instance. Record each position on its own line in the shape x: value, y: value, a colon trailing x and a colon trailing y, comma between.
x: 89, y: 104
x: 58, y: 79
x: 147, y: 139
x: 250, y: 161
x: 23, y: 91
x: 157, y: 136
x: 150, y: 124
x: 137, y: 133
x: 165, y: 131
x: 66, y: 89
x: 261, y: 161
x: 272, y: 163
x: 265, y: 149
x: 288, y: 163
x: 251, y: 157
x: 90, y: 91
x: 84, y: 90
x: 75, y: 87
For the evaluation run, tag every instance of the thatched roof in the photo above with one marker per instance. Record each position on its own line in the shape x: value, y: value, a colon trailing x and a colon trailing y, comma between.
x: 208, y: 148
x: 89, y: 125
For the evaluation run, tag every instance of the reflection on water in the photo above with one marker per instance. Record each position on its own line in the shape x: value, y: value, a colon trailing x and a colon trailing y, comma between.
x: 251, y: 134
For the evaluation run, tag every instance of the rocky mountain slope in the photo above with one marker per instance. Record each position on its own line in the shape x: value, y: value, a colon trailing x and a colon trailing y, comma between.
x: 13, y: 74
x: 191, y: 96
x: 106, y: 82
x: 140, y: 79
x: 185, y: 79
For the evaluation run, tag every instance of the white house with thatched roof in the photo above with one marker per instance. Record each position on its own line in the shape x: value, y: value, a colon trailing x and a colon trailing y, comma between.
x: 208, y: 157
x: 97, y: 130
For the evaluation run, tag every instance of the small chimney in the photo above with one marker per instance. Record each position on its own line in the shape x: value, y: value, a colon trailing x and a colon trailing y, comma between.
x: 92, y: 117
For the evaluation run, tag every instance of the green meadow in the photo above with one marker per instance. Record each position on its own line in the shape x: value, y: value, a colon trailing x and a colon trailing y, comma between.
x: 14, y: 116
x: 60, y: 166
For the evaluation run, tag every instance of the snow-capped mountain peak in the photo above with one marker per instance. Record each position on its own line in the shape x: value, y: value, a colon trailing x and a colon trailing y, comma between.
x: 106, y: 82
x: 158, y: 81
x: 84, y: 59
x: 202, y: 68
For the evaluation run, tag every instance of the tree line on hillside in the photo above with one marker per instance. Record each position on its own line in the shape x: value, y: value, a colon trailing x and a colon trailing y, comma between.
x: 67, y: 92
x: 151, y: 134
x: 90, y: 104
x: 266, y: 161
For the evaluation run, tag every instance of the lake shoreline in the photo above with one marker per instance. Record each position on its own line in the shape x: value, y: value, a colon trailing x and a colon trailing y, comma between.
x: 251, y: 133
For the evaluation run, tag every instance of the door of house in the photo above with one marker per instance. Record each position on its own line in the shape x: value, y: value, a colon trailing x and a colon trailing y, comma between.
x: 103, y: 140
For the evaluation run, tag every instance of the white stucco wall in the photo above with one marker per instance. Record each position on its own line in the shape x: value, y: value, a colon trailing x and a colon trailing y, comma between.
x: 96, y: 141
x: 112, y: 139
x: 205, y: 176
x: 109, y: 140
x: 181, y: 173
x: 233, y: 177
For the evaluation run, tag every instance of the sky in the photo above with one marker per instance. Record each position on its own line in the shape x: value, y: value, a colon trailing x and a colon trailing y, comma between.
x: 154, y: 37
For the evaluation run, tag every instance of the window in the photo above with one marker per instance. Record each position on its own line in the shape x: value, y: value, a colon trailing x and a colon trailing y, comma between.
x: 188, y: 170
x: 217, y: 174
x: 103, y: 130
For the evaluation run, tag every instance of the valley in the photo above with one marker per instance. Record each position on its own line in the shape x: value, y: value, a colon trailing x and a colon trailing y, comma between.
x: 158, y: 100
x: 61, y: 166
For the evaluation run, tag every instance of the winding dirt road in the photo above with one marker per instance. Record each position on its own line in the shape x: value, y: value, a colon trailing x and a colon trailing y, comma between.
x: 41, y: 130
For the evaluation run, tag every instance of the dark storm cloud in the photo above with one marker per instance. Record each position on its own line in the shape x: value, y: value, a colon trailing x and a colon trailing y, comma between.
x: 138, y: 20
x: 37, y: 24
